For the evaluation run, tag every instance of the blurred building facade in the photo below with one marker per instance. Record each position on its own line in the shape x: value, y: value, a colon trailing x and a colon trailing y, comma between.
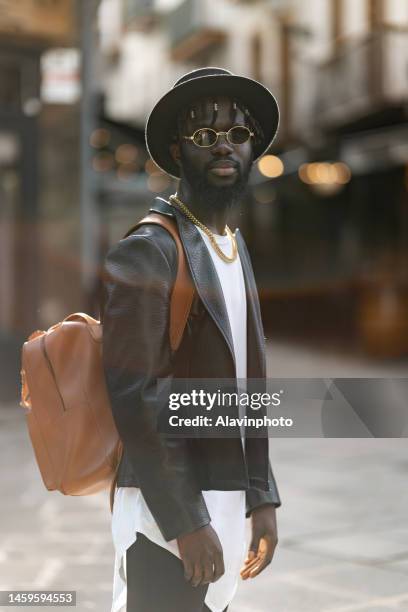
x: 327, y: 223
x: 327, y: 220
x: 39, y: 171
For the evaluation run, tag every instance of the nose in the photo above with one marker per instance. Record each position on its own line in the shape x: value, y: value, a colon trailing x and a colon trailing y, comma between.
x: 222, y: 146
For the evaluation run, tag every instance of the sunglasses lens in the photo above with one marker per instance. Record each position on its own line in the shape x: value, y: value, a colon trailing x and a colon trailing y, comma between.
x: 205, y: 137
x: 238, y: 134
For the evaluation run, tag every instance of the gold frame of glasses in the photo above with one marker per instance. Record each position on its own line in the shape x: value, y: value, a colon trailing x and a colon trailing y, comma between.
x: 220, y: 134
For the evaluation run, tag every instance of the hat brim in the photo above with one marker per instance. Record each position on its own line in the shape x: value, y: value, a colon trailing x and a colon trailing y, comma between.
x: 161, y: 123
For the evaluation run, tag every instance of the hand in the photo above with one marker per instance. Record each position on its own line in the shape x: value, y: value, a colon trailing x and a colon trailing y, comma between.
x: 263, y: 543
x: 202, y: 556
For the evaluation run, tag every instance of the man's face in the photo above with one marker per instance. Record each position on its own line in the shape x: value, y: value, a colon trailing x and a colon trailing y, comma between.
x: 217, y: 175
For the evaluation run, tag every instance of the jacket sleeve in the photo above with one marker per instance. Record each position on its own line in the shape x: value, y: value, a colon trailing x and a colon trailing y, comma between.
x: 138, y: 280
x: 256, y: 497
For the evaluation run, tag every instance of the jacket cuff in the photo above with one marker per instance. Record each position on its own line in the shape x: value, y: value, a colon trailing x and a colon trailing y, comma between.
x: 256, y: 498
x: 176, y: 518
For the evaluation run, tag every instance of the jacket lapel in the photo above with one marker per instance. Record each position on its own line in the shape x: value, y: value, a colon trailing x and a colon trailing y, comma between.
x: 205, y: 277
x: 209, y: 288
x: 202, y: 270
x: 256, y: 365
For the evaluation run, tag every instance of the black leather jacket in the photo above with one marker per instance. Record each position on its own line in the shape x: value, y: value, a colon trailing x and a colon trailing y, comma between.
x: 139, y: 272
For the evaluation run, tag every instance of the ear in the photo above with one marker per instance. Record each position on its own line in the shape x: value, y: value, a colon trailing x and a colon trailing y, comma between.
x: 175, y: 152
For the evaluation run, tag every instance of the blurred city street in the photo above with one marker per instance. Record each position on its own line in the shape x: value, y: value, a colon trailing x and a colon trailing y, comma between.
x: 324, y: 215
x: 343, y: 534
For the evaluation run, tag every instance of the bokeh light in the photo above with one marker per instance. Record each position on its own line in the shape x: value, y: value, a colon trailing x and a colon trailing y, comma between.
x: 270, y: 166
x: 325, y: 173
x: 126, y: 171
x: 158, y: 182
x: 99, y: 138
x: 126, y: 154
x: 103, y: 161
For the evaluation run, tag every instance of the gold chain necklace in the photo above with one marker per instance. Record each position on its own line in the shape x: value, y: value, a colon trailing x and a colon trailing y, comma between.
x: 209, y: 233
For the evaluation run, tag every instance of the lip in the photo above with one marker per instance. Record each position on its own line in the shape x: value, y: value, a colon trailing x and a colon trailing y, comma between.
x: 223, y: 168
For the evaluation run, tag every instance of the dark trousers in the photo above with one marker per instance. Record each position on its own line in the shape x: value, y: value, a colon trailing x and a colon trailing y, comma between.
x: 156, y: 583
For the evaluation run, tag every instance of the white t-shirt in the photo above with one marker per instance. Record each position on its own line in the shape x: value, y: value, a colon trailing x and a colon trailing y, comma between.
x: 233, y: 287
x: 226, y: 508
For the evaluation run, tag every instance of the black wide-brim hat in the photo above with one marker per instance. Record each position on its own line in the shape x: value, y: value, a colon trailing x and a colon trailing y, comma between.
x: 161, y: 124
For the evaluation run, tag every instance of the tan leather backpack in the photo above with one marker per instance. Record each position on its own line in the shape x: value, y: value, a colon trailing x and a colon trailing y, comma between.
x: 70, y: 423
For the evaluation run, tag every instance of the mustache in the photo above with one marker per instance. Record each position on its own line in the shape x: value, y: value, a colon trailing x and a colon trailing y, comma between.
x: 233, y: 163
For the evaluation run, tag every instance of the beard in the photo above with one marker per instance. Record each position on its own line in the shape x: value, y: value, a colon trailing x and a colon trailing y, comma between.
x: 208, y: 195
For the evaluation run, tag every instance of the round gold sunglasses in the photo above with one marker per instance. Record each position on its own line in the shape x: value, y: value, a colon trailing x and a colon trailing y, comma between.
x: 207, y: 137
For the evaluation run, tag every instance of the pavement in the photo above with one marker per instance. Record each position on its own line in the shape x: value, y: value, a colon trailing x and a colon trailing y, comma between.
x: 343, y: 528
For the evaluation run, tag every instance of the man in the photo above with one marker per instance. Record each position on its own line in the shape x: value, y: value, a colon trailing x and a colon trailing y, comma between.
x: 179, y: 511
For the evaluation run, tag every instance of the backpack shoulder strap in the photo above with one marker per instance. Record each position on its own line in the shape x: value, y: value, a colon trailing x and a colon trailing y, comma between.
x: 183, y: 290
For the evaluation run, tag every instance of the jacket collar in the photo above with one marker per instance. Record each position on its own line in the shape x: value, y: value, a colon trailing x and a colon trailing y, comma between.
x: 209, y: 288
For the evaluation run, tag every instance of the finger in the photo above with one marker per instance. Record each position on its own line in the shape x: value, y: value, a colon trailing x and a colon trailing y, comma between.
x: 219, y: 568
x: 254, y: 551
x: 255, y: 571
x: 250, y: 556
x: 208, y: 571
x: 250, y: 563
x: 245, y: 571
x: 188, y: 570
x: 248, y: 566
x: 265, y: 554
x: 198, y: 575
